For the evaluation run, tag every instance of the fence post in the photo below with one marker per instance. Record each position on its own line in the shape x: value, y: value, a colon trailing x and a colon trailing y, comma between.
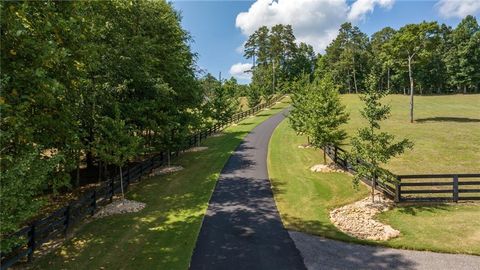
x: 335, y: 154
x: 398, y: 190
x: 455, y: 188
x: 67, y: 220
x: 31, y: 242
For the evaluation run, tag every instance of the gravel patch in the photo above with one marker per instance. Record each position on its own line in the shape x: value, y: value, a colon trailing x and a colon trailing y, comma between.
x: 166, y: 170
x: 119, y: 207
x: 196, y: 149
x: 326, y: 168
x: 357, y: 219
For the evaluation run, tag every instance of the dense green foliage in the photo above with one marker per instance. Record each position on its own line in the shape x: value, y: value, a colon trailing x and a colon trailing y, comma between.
x: 277, y: 60
x: 423, y: 58
x: 319, y: 114
x: 89, y: 83
x: 440, y: 59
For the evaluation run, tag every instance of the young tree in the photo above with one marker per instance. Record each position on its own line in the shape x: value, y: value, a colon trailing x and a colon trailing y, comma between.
x: 372, y: 146
x: 116, y: 144
x: 326, y: 115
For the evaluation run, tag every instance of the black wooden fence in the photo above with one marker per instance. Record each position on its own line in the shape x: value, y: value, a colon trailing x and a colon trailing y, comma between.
x: 60, y: 222
x: 415, y: 188
x: 440, y: 187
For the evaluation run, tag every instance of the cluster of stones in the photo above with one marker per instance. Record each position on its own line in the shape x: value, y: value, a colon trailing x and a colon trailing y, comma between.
x: 357, y: 219
x: 197, y: 149
x: 326, y: 168
x: 166, y: 170
x: 120, y: 207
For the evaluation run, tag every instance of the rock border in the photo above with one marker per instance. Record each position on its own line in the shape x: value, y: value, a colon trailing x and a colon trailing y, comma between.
x: 358, y: 219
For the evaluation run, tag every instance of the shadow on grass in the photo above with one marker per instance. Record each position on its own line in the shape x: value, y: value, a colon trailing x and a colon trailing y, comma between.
x: 414, y: 209
x: 448, y: 119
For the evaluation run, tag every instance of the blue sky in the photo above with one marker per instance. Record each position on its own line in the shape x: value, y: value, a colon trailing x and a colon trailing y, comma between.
x: 218, y: 35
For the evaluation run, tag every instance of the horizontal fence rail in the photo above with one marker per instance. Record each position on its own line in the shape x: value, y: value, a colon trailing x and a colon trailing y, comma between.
x: 439, y: 187
x: 414, y: 188
x: 59, y: 223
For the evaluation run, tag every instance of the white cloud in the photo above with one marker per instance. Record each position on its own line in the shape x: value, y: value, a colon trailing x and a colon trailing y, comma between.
x: 458, y: 8
x: 314, y: 21
x: 361, y: 8
x: 238, y: 71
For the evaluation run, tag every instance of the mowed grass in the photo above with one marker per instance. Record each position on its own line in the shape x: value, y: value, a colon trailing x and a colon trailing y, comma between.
x: 163, y: 235
x: 305, y: 198
x: 445, y: 228
x: 446, y: 132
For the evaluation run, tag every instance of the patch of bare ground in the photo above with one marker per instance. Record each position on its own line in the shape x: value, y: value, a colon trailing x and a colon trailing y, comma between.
x: 358, y: 219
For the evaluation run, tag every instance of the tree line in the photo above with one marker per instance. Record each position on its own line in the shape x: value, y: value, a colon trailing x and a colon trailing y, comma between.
x: 424, y: 58
x: 93, y: 84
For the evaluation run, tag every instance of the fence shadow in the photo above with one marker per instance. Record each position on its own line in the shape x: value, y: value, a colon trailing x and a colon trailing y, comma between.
x: 448, y: 119
x: 414, y: 209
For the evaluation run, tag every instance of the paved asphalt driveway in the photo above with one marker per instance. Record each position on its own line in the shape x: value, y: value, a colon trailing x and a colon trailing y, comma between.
x: 242, y: 228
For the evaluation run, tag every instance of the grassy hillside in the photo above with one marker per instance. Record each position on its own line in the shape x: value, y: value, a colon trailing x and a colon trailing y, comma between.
x: 446, y: 132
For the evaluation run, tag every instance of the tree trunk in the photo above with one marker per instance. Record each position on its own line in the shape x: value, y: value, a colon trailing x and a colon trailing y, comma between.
x: 77, y: 179
x: 355, y: 82
x: 410, y: 76
x: 354, y: 77
x: 273, y: 83
x: 374, y: 182
x: 388, y: 79
x: 89, y: 160
x: 121, y: 182
x: 99, y: 171
x: 464, y: 89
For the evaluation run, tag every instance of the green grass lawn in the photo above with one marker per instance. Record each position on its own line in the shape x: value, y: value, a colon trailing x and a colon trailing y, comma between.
x: 304, y: 198
x: 446, y: 132
x: 163, y: 235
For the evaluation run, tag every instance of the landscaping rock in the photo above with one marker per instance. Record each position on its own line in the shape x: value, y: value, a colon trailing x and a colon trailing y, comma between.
x: 119, y: 207
x: 305, y: 146
x: 220, y: 134
x: 197, y: 149
x: 166, y: 170
x: 326, y: 168
x: 357, y: 219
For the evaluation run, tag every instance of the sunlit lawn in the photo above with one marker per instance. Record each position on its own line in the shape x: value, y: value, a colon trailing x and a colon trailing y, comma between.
x: 163, y: 235
x: 304, y: 198
x: 446, y: 132
x: 451, y: 144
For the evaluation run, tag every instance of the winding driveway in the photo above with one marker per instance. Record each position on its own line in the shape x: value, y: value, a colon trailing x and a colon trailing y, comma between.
x: 242, y: 228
